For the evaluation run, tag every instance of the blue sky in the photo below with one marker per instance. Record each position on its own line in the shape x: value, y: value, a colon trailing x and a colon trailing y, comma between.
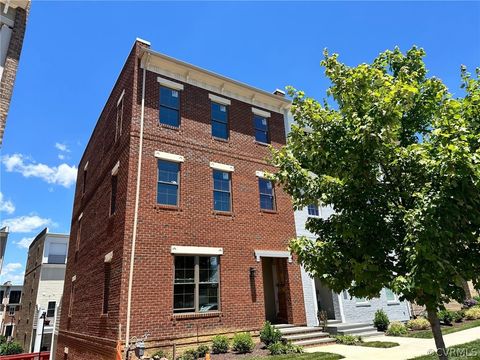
x: 73, y: 52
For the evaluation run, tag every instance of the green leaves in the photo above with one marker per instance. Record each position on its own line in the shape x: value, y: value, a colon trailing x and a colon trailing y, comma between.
x: 399, y: 162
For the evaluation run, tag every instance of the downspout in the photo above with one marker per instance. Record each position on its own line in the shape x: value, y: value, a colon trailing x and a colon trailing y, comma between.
x: 135, y: 217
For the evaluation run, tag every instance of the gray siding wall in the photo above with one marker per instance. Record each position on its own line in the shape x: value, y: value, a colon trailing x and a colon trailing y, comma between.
x: 309, y: 299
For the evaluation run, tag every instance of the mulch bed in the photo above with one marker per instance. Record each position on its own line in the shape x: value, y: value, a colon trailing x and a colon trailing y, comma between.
x: 259, y: 350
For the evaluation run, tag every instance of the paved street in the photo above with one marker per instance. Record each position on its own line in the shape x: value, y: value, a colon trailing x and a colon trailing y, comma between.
x: 409, y: 347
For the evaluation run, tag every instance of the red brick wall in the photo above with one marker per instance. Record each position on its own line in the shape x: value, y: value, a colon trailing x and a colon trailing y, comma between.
x: 193, y: 223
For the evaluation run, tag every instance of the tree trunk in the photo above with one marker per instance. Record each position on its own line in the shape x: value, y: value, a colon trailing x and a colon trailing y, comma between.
x: 437, y: 334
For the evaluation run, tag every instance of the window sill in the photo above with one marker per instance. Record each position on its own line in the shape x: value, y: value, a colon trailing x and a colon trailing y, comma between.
x: 261, y: 143
x: 268, y: 211
x: 167, y: 207
x: 104, y: 315
x: 363, y: 305
x: 220, y: 139
x: 396, y: 302
x: 223, y: 213
x: 171, y: 127
x: 196, y: 315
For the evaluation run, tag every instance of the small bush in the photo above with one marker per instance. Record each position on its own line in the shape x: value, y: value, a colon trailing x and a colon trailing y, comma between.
x: 396, y: 328
x: 446, y: 317
x: 458, y: 316
x: 3, y: 339
x: 418, y: 324
x: 269, y: 334
x: 11, y: 348
x: 160, y: 354
x: 202, y: 350
x: 381, y: 320
x: 348, y: 339
x: 220, y: 344
x: 473, y: 313
x: 477, y: 299
x: 470, y: 303
x: 279, y: 348
x: 190, y: 354
x: 243, y: 343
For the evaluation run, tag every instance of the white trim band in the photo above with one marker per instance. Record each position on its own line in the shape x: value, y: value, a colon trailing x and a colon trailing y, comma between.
x: 121, y: 97
x: 222, y: 167
x: 74, y: 278
x: 80, y: 216
x: 263, y: 113
x: 115, y: 168
x: 218, y: 99
x: 196, y: 250
x: 85, y: 167
x: 170, y: 157
x: 169, y: 83
x: 108, y: 257
x: 272, y: 254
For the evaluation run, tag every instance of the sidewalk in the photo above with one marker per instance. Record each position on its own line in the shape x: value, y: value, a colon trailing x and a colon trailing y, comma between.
x: 409, y: 347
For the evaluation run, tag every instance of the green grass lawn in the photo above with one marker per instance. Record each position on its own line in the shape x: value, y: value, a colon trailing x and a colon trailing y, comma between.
x: 427, y: 334
x: 306, y: 356
x: 468, y: 351
x: 379, y: 344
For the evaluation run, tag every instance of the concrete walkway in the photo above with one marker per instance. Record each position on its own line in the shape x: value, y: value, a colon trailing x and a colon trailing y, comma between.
x: 409, y: 347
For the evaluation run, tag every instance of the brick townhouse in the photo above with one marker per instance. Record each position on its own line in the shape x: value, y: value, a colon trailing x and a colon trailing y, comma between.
x: 175, y: 229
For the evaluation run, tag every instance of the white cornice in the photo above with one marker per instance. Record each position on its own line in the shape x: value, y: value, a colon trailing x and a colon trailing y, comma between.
x: 193, y: 75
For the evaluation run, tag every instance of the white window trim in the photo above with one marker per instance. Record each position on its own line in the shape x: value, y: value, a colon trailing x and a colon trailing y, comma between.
x: 108, y: 257
x: 394, y: 301
x: 169, y: 83
x: 273, y: 254
x: 80, y: 216
x: 196, y: 250
x: 218, y: 99
x: 85, y: 167
x: 261, y: 174
x: 260, y: 112
x: 169, y: 157
x: 74, y: 278
x: 121, y: 97
x: 115, y: 168
x: 222, y: 167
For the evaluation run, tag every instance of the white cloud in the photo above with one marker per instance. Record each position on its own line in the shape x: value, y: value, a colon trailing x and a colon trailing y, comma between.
x: 13, y: 272
x: 62, y: 147
x: 25, y: 242
x: 63, y: 174
x: 25, y: 224
x: 6, y: 205
x: 61, y: 156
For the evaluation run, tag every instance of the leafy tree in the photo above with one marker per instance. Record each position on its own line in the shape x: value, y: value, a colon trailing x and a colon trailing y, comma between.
x: 398, y: 159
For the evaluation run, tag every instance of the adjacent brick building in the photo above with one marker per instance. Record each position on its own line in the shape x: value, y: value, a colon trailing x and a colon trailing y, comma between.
x: 13, y: 21
x: 208, y: 235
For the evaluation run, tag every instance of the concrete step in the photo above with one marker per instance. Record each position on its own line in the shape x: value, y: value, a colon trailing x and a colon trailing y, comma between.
x: 306, y: 335
x: 297, y: 330
x: 332, y: 322
x: 283, y: 326
x: 356, y: 330
x: 312, y: 342
x: 370, y: 333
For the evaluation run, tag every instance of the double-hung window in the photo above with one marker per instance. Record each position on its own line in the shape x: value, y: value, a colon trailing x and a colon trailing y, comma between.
x: 219, y: 120
x: 222, y: 190
x: 261, y: 129
x: 267, y: 195
x: 313, y: 210
x: 169, y: 106
x: 168, y: 181
x: 196, y: 284
x: 119, y: 120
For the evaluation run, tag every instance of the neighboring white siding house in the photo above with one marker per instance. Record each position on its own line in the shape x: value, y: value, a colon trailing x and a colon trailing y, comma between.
x: 342, y: 306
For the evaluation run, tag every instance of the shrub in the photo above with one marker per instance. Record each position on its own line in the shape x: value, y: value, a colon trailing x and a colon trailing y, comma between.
x: 269, y: 334
x: 190, y: 354
x: 470, y: 303
x: 11, y: 348
x: 418, y: 324
x: 477, y: 298
x: 160, y: 354
x: 243, y: 343
x: 202, y: 350
x: 220, y: 344
x: 396, y: 328
x: 473, y: 313
x: 279, y: 348
x: 458, y: 316
x: 3, y: 339
x: 348, y: 339
x: 446, y: 317
x: 381, y: 320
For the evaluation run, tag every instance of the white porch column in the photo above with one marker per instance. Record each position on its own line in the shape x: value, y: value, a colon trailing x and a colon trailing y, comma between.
x: 38, y: 335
